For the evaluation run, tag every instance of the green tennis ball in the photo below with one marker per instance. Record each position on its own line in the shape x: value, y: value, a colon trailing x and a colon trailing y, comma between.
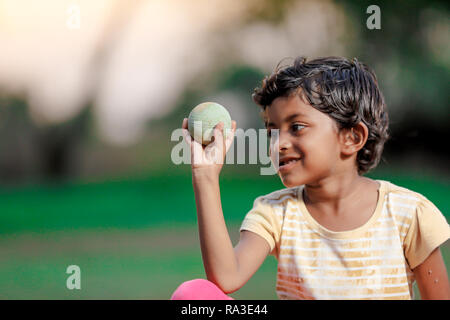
x: 206, y: 116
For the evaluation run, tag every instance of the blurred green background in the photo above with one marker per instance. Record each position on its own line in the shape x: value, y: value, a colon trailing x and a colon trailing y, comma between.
x: 87, y: 108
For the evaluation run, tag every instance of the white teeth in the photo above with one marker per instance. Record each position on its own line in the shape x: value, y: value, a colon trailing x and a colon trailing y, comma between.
x: 290, y: 161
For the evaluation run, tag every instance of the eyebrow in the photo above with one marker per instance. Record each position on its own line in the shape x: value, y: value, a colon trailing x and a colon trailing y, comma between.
x: 289, y: 118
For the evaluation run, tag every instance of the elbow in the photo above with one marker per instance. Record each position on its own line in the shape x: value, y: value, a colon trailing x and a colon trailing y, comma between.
x: 226, y: 284
x: 229, y: 288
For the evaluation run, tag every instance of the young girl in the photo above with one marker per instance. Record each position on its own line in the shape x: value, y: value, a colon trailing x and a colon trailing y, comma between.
x: 335, y: 233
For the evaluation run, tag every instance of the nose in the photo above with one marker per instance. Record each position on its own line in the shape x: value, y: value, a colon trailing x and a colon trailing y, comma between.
x: 284, y: 141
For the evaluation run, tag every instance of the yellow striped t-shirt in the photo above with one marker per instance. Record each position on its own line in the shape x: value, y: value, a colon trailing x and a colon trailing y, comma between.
x: 374, y: 261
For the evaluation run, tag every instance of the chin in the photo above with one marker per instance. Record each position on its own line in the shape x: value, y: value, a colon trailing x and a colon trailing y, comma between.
x: 290, y: 182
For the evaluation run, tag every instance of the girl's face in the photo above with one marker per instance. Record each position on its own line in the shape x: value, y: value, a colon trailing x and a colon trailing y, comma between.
x: 307, y: 137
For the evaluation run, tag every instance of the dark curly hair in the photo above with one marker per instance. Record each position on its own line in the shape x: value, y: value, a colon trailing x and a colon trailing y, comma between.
x: 347, y: 91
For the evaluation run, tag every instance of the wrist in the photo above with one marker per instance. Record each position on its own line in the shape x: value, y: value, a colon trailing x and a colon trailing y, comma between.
x: 205, y: 173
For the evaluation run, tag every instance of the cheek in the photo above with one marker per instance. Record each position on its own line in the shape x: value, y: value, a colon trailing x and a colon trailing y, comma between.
x: 320, y: 149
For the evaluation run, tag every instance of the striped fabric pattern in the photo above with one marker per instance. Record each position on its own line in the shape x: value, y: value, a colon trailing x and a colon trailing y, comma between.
x: 368, y: 262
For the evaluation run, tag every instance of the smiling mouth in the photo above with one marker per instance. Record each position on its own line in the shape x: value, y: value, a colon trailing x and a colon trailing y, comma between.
x: 282, y: 163
x: 285, y: 165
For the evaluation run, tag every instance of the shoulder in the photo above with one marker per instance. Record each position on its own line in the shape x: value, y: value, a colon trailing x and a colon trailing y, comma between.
x: 279, y: 197
x: 412, y: 210
x: 422, y: 225
x: 401, y: 197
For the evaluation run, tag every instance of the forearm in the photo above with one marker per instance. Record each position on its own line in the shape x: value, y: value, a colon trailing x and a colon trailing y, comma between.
x: 218, y: 255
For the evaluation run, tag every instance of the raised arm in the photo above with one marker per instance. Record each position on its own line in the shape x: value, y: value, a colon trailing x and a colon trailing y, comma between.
x: 229, y: 268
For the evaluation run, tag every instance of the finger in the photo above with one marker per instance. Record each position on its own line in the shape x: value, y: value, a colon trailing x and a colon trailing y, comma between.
x: 233, y: 125
x: 232, y: 131
x: 230, y: 135
x: 186, y: 134
x: 215, y: 151
x: 187, y: 137
x: 194, y: 146
x: 197, y: 152
x: 217, y: 139
x: 218, y: 133
x: 219, y: 126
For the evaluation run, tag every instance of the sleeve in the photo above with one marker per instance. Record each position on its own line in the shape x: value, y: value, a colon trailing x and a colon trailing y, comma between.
x: 428, y: 230
x: 262, y: 220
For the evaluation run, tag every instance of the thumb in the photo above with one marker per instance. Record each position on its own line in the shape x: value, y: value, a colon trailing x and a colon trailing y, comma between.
x: 218, y: 133
x: 230, y: 135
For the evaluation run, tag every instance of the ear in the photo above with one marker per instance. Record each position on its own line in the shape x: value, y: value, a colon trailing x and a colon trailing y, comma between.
x: 353, y: 139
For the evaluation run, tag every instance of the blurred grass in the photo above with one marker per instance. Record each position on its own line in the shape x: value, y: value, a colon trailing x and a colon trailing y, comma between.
x: 133, y: 238
x: 151, y: 268
x: 166, y: 199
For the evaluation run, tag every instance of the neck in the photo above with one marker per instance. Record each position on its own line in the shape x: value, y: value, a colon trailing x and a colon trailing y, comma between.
x: 332, y: 192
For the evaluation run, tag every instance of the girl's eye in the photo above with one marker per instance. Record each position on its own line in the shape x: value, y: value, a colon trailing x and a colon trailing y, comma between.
x: 297, y: 127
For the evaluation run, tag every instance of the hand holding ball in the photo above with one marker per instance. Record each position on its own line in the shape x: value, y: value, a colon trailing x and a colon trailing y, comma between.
x: 204, y: 117
x: 201, y: 128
